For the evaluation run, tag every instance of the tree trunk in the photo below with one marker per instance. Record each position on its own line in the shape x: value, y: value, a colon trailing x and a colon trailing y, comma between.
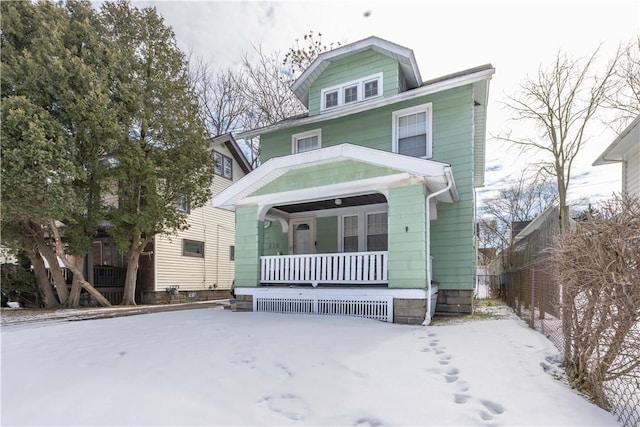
x: 58, y: 278
x: 77, y: 272
x: 48, y: 297
x: 76, y: 286
x: 133, y: 260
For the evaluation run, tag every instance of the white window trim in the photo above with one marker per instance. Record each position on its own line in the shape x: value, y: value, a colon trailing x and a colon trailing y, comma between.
x: 341, y: 88
x: 295, y: 137
x: 222, y: 164
x: 361, y: 212
x: 423, y: 108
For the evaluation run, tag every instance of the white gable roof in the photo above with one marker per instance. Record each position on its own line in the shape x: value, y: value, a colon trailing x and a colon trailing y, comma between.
x: 436, y: 175
x: 622, y: 146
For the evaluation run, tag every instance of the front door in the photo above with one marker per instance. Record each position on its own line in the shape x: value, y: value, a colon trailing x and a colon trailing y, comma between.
x: 302, y: 236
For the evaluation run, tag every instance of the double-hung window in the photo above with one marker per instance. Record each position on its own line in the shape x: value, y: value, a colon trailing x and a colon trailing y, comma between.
x: 223, y: 165
x: 368, y: 87
x: 306, y: 141
x: 364, y: 232
x: 412, y: 131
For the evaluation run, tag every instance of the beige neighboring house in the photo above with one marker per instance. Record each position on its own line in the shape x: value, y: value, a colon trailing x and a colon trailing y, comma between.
x: 197, y: 264
x: 625, y: 149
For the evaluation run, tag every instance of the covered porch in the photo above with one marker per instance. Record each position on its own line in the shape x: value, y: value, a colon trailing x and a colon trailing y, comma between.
x: 347, y: 220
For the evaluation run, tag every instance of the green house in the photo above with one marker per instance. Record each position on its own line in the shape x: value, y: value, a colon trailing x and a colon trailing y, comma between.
x: 365, y: 205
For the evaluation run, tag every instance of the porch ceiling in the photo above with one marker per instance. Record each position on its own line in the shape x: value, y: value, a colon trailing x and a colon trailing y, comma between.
x: 435, y: 175
x: 367, y: 199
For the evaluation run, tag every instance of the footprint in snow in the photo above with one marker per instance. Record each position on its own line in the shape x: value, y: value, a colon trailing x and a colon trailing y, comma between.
x: 289, y: 405
x: 493, y: 407
x: 451, y: 375
x: 461, y: 398
x: 462, y: 386
x: 366, y: 421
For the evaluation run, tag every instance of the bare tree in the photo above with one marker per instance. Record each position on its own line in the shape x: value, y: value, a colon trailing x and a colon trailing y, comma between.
x: 624, y: 99
x: 257, y: 94
x: 598, y: 267
x: 561, y: 102
x: 520, y: 202
x: 298, y: 58
x: 220, y: 95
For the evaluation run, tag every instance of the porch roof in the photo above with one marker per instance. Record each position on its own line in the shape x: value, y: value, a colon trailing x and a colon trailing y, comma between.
x: 435, y: 175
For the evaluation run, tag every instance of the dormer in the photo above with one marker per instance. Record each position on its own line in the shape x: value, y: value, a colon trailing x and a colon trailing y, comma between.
x: 355, y: 74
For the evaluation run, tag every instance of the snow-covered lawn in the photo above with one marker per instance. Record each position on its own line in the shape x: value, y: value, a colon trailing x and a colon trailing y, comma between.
x: 214, y: 367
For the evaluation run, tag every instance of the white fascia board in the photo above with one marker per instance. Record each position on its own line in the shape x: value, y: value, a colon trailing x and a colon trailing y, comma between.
x: 622, y: 145
x: 416, y: 293
x: 437, y: 174
x: 382, y: 102
x: 379, y: 184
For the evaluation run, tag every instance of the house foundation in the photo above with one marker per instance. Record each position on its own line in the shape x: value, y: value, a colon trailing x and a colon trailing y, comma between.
x: 178, y: 297
x: 454, y: 301
x: 409, y: 311
x: 242, y: 303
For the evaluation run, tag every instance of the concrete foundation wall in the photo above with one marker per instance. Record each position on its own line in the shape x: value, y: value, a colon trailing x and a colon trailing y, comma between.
x: 409, y: 311
x: 454, y: 301
x: 164, y: 297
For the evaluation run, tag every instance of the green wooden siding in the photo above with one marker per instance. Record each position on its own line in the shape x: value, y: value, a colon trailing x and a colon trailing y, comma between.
x: 327, y: 235
x: 275, y: 241
x: 326, y: 174
x: 373, y: 128
x: 452, y: 234
x: 249, y: 241
x: 351, y: 68
x: 407, y: 237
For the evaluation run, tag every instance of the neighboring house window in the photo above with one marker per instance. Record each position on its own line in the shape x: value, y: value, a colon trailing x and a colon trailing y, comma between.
x: 182, y: 204
x: 352, y: 92
x: 412, y: 131
x: 350, y: 233
x: 377, y: 239
x: 193, y: 248
x: 232, y: 253
x: 307, y: 141
x: 223, y: 165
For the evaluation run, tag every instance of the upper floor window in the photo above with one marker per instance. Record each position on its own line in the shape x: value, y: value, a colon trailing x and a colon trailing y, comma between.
x: 371, y: 88
x: 182, y: 204
x: 412, y: 131
x: 307, y: 141
x: 352, y: 92
x: 223, y: 165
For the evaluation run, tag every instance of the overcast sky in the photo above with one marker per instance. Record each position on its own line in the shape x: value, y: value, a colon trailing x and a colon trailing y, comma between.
x: 516, y: 37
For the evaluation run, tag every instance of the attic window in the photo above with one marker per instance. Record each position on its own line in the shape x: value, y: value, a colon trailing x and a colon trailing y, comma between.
x: 351, y: 92
x: 371, y: 88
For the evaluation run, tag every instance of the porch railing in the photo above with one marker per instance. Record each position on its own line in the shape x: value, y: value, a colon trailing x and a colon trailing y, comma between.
x: 337, y: 268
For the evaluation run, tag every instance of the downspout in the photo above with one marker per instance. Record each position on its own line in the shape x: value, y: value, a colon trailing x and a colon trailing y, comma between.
x: 448, y: 176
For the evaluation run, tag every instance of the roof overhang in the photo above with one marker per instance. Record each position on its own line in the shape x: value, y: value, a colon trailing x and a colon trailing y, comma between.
x: 622, y: 146
x: 435, y: 175
x: 477, y: 76
x: 232, y: 145
x: 403, y: 55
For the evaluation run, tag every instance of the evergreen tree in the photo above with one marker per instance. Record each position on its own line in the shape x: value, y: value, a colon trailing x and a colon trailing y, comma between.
x: 161, y: 155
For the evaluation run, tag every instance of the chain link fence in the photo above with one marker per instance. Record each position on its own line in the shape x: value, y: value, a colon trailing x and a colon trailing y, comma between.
x: 535, y: 295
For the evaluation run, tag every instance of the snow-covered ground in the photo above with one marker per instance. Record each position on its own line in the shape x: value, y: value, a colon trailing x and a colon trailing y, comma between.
x: 214, y: 367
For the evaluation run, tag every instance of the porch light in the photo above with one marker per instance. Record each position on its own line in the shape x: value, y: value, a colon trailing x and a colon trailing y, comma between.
x: 338, y: 202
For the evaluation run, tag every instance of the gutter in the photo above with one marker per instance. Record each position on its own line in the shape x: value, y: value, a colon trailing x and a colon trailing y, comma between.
x: 448, y: 173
